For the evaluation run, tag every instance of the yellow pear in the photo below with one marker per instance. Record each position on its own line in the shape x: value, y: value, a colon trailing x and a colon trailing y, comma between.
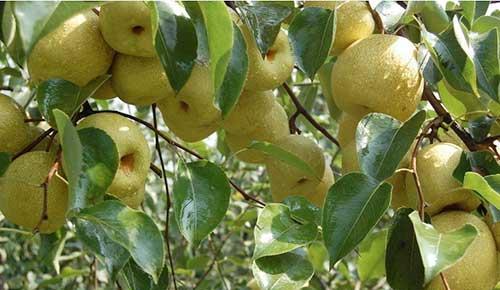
x: 435, y: 166
x: 347, y: 128
x: 126, y: 27
x: 135, y: 200
x: 192, y: 115
x: 75, y: 51
x: 378, y: 74
x: 354, y: 22
x: 477, y: 269
x: 22, y: 196
x: 140, y: 80
x: 286, y: 179
x: 14, y: 135
x: 133, y: 151
x: 105, y: 92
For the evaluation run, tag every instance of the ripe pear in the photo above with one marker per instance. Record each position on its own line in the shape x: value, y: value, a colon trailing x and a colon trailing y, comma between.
x: 140, y: 80
x: 435, y: 165
x: 192, y: 115
x: 378, y: 74
x: 347, y: 128
x: 271, y: 71
x: 126, y: 27
x: 75, y: 51
x: 14, y: 135
x: 135, y: 200
x: 286, y: 179
x: 133, y: 151
x: 478, y: 267
x: 105, y: 92
x: 22, y: 196
x: 354, y: 22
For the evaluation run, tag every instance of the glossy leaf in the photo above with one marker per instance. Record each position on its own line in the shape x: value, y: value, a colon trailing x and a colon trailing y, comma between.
x: 403, y: 262
x: 479, y: 127
x: 228, y: 94
x: 37, y: 19
x: 214, y: 30
x: 134, y: 278
x: 264, y: 20
x: 354, y: 204
x: 488, y: 187
x: 201, y: 198
x: 283, y: 155
x: 4, y: 162
x: 474, y: 9
x: 382, y: 142
x: 277, y: 232
x: 485, y: 23
x: 282, y: 272
x: 175, y: 41
x: 111, y: 254
x: 65, y: 96
x: 131, y: 229
x: 390, y: 13
x: 486, y: 62
x: 303, y: 210
x: 441, y: 251
x: 480, y: 161
x: 371, y: 261
x: 311, y: 34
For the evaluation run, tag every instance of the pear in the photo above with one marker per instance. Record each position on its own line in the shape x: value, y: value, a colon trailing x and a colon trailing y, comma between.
x: 347, y: 127
x: 126, y: 27
x: 140, y: 80
x: 14, y: 135
x: 133, y: 151
x: 256, y: 117
x: 286, y: 179
x: 22, y: 196
x: 478, y: 267
x: 74, y: 51
x: 135, y: 200
x: 435, y: 166
x: 192, y: 115
x: 378, y: 74
x: 354, y: 21
x: 105, y: 92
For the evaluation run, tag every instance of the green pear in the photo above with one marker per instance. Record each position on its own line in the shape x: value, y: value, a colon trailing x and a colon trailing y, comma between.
x: 14, y: 135
x: 140, y: 80
x: 74, y: 51
x: 105, y: 92
x: 22, y: 196
x: 354, y: 21
x: 435, y: 165
x: 256, y: 117
x: 288, y: 180
x: 126, y: 27
x: 477, y: 269
x: 192, y: 115
x: 380, y: 73
x: 135, y: 200
x: 133, y: 151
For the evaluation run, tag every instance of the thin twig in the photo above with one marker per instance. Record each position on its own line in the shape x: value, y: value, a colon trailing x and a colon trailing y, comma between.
x: 34, y: 143
x: 155, y: 169
x: 445, y: 282
x: 212, y: 264
x: 34, y: 120
x: 217, y: 264
x: 308, y: 116
x: 167, y: 194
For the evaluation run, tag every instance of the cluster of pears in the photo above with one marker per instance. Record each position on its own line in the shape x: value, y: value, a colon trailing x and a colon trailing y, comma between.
x: 22, y: 195
x: 381, y: 73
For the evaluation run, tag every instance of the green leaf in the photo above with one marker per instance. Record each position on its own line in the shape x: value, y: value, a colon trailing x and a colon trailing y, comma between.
x: 485, y: 23
x: 131, y: 229
x: 488, y: 187
x: 264, y: 20
x: 228, y: 94
x: 403, y: 262
x: 175, y: 41
x: 311, y: 34
x: 51, y: 247
x: 432, y: 14
x: 390, y: 13
x: 303, y: 210
x: 282, y: 272
x: 353, y: 205
x: 110, y: 253
x: 214, y: 30
x: 134, y: 278
x: 37, y: 19
x: 382, y: 142
x: 4, y: 162
x: 371, y: 261
x: 65, y: 96
x: 283, y: 155
x: 201, y: 198
x: 480, y: 161
x: 277, y: 232
x: 486, y: 62
x: 441, y: 251
x: 472, y: 10
x: 66, y: 273
x: 479, y: 127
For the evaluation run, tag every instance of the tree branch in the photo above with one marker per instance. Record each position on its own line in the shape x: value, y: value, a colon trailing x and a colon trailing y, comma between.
x: 308, y: 116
